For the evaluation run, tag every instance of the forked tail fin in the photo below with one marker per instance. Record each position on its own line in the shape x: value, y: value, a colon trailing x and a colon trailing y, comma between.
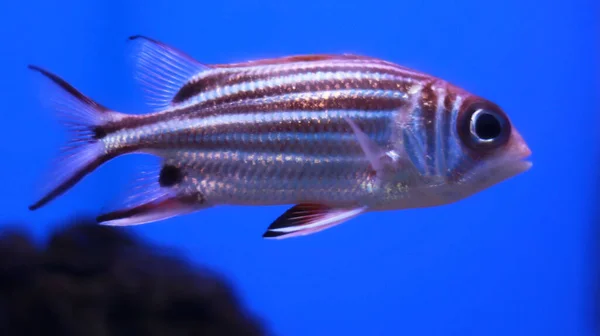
x: 84, y: 152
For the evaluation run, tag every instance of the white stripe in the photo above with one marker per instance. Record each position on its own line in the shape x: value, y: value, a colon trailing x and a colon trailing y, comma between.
x: 322, y: 95
x: 440, y: 123
x: 453, y: 140
x: 198, y: 159
x: 253, y: 118
x: 328, y: 219
x: 303, y: 96
x: 261, y: 69
x: 253, y: 138
x: 133, y: 135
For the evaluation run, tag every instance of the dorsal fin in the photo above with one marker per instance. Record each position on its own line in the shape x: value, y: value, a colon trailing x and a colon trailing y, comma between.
x: 293, y: 59
x: 162, y: 70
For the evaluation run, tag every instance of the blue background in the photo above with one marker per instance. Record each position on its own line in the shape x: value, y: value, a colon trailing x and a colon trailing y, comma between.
x: 516, y: 259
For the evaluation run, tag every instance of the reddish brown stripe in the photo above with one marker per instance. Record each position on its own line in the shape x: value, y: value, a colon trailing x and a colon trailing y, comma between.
x: 428, y: 106
x: 342, y: 103
x: 354, y: 102
x: 295, y: 145
x: 449, y: 101
x: 297, y: 58
x: 309, y: 86
x: 194, y: 137
x: 316, y: 84
x: 190, y: 89
x: 217, y: 79
x: 302, y: 126
x: 446, y: 130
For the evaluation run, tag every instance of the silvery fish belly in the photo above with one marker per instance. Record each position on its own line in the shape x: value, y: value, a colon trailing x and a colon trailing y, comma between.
x: 335, y: 135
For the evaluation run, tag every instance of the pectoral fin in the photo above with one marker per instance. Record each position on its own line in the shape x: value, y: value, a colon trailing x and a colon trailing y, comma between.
x: 383, y: 161
x: 374, y: 153
x: 305, y: 219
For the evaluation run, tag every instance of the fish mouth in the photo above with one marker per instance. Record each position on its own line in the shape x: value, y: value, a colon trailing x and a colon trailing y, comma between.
x: 518, y: 163
x: 519, y: 154
x: 523, y: 160
x: 521, y: 166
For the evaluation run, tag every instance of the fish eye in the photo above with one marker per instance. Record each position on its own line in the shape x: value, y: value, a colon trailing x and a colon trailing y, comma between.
x: 484, y: 126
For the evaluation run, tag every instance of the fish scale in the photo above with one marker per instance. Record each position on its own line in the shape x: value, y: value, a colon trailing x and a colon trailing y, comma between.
x: 336, y: 135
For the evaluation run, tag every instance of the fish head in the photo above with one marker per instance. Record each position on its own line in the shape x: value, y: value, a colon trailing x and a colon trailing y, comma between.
x: 485, y: 146
x: 471, y: 145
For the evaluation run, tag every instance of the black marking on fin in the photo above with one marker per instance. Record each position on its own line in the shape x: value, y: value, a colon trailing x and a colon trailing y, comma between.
x: 99, y: 133
x: 69, y: 88
x: 273, y: 234
x: 305, y: 219
x: 170, y: 176
x: 187, y: 91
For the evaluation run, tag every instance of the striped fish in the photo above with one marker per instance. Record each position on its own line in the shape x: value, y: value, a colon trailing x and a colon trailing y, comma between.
x: 334, y: 135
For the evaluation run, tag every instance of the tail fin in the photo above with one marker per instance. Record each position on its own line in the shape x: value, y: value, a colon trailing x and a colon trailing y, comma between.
x: 84, y: 152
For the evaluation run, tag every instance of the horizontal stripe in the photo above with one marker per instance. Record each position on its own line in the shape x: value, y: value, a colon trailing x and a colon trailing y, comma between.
x: 266, y: 139
x: 278, y: 176
x: 177, y: 132
x: 368, y: 64
x: 298, y: 143
x: 198, y: 159
x: 304, y: 82
x: 210, y: 80
x: 313, y: 101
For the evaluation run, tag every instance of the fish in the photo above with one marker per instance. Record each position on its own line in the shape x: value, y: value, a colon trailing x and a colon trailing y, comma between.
x: 332, y: 136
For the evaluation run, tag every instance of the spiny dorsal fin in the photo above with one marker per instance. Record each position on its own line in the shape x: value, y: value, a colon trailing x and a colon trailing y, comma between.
x: 162, y: 70
x: 293, y: 59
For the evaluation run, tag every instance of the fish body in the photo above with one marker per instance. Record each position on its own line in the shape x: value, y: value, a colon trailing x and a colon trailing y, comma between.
x: 337, y: 135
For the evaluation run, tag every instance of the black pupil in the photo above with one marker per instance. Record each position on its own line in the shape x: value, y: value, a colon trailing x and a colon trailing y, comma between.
x: 169, y: 176
x: 487, y: 126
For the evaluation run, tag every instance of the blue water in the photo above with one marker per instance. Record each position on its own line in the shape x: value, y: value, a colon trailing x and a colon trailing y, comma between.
x: 515, y: 259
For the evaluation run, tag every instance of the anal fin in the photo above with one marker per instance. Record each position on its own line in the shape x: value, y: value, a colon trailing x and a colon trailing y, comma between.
x: 153, y: 197
x: 305, y: 219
